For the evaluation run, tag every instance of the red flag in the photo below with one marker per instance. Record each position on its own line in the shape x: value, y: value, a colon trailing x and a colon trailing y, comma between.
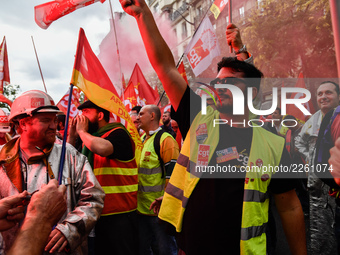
x: 130, y: 97
x: 144, y: 92
x: 181, y: 70
x: 292, y: 109
x: 90, y: 76
x: 62, y: 105
x: 4, y: 68
x: 46, y: 13
x: 203, y: 47
x: 217, y: 7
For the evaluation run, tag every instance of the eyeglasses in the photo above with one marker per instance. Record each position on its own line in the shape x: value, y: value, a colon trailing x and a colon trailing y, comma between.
x: 228, y: 80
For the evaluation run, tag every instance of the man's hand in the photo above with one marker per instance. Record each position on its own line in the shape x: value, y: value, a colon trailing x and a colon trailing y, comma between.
x: 82, y: 124
x: 57, y: 242
x: 11, y: 210
x: 72, y: 132
x: 234, y: 37
x: 48, y: 204
x: 156, y: 205
x: 334, y: 161
x: 133, y: 7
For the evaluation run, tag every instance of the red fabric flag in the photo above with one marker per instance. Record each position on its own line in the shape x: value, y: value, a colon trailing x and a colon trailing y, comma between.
x: 181, y: 70
x: 203, y: 47
x: 90, y: 76
x: 130, y: 97
x: 144, y: 92
x: 4, y: 68
x: 62, y: 105
x: 292, y: 109
x: 46, y: 13
x: 217, y: 7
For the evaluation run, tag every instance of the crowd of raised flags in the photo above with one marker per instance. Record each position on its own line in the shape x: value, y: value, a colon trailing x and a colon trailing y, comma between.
x: 90, y: 77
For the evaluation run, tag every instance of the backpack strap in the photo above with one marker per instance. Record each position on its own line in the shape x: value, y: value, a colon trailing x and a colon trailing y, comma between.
x: 157, y: 146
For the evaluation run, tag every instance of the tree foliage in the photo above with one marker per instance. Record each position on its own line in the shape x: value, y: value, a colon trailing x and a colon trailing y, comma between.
x: 287, y: 37
x: 11, y: 91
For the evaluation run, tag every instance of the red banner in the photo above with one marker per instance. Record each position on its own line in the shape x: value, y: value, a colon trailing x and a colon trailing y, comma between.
x: 4, y: 68
x: 46, y: 13
x: 90, y: 76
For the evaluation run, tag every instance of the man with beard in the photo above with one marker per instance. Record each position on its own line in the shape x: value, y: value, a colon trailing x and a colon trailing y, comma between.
x: 111, y: 152
x: 28, y: 162
x: 166, y: 119
x: 224, y: 213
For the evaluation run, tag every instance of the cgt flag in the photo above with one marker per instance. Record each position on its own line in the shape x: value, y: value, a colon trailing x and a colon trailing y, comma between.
x: 130, y: 97
x: 62, y: 105
x: 4, y: 68
x: 144, y: 92
x: 292, y: 109
x: 46, y: 13
x: 90, y: 76
x: 203, y: 47
x: 217, y: 7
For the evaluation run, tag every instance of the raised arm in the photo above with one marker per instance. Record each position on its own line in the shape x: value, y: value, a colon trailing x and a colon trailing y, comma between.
x: 157, y: 50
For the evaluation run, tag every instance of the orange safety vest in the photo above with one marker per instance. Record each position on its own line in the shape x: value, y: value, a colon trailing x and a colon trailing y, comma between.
x: 119, y: 180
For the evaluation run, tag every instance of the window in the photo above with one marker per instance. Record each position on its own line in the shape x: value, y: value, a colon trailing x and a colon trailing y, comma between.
x: 184, y: 31
x: 241, y: 11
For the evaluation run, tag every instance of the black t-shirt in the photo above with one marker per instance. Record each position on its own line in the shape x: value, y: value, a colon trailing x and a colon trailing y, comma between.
x: 212, y: 220
x: 122, y: 146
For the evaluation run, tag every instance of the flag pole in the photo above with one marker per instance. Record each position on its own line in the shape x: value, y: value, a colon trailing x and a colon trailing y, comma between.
x: 230, y: 21
x: 179, y: 61
x: 63, y: 148
x: 116, y: 39
x: 335, y: 14
x: 36, y: 55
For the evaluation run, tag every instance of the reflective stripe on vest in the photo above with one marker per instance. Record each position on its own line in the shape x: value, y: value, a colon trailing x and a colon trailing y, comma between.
x: 256, y: 201
x: 119, y: 180
x: 150, y: 182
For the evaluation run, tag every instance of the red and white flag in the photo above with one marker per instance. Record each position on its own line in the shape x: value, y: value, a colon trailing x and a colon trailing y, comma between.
x: 203, y: 47
x: 62, y: 105
x: 144, y: 92
x: 4, y: 68
x: 292, y: 109
x: 217, y: 7
x: 46, y: 13
x: 130, y: 97
x: 181, y: 70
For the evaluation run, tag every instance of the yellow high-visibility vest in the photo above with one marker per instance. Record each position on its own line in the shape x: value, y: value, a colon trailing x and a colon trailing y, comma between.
x: 266, y: 150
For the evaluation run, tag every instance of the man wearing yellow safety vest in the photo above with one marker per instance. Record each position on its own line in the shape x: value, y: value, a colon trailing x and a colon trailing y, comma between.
x: 225, y: 215
x: 111, y: 152
x: 158, y: 158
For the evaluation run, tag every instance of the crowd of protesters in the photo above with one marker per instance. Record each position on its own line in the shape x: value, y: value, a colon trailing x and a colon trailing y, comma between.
x: 112, y: 202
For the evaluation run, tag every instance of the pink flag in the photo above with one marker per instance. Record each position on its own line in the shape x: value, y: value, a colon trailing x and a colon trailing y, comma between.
x: 4, y: 68
x: 46, y: 13
x: 62, y: 105
x: 203, y: 47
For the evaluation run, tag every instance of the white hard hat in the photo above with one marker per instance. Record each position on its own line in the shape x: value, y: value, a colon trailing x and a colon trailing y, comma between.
x: 4, y: 122
x: 30, y: 102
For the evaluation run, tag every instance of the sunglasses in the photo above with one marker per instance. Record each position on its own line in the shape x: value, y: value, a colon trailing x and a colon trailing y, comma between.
x: 228, y: 80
